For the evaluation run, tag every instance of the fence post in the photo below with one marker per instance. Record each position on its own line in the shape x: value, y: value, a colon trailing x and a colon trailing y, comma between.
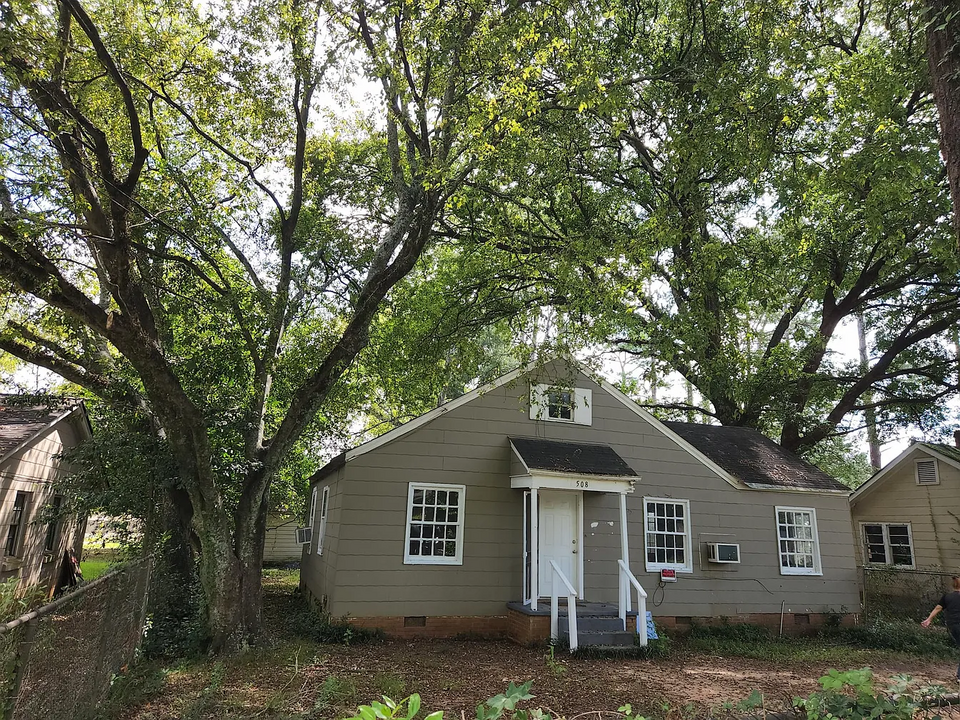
x: 23, y: 656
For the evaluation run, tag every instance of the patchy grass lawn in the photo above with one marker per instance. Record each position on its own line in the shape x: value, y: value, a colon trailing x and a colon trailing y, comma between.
x: 94, y: 568
x: 294, y: 678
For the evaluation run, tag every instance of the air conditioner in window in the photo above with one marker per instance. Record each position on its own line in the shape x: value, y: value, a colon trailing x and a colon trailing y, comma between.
x: 304, y: 535
x: 723, y: 552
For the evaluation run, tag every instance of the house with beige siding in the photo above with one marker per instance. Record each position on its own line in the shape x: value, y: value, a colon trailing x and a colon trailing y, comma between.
x: 907, y: 516
x: 548, y: 483
x: 34, y: 532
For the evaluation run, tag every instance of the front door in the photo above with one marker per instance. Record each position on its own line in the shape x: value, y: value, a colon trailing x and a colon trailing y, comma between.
x: 558, y: 539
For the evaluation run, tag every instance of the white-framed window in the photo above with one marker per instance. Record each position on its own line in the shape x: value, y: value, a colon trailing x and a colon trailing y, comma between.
x: 324, y: 502
x: 927, y: 472
x: 15, y: 528
x: 797, y: 540
x: 556, y: 403
x: 888, y: 544
x: 434, y: 524
x: 313, y: 509
x: 667, y: 534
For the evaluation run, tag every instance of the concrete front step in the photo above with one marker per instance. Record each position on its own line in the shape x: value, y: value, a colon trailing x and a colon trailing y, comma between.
x: 593, y: 623
x: 608, y: 639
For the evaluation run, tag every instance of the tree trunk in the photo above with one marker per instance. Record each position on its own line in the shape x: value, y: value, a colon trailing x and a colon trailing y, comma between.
x: 943, y: 59
x: 870, y: 413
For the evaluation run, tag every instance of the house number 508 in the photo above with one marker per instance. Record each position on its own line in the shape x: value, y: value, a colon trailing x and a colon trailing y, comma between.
x: 583, y: 483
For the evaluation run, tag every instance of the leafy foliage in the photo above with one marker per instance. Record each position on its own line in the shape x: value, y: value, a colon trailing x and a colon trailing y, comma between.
x: 851, y: 694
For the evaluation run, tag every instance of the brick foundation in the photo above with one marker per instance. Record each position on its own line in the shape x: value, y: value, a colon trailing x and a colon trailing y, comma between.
x: 793, y: 623
x: 437, y: 626
x: 528, y: 629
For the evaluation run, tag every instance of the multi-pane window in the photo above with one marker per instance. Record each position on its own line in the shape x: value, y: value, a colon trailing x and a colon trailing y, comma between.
x: 667, y: 527
x: 560, y: 405
x: 888, y: 544
x: 15, y: 528
x: 556, y: 403
x: 53, y: 526
x: 434, y: 524
x: 324, y: 502
x: 798, y: 543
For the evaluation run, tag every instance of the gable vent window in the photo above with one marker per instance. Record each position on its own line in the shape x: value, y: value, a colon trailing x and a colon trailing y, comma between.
x: 553, y: 403
x: 927, y: 472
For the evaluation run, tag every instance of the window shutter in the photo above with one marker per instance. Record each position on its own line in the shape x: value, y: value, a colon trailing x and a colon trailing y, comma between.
x: 927, y: 472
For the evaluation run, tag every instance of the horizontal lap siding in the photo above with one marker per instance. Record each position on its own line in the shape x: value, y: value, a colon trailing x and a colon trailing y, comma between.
x: 469, y: 446
x: 34, y: 469
x: 931, y: 510
x: 318, y: 573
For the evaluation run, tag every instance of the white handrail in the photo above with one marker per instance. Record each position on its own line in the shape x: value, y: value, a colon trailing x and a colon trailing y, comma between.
x: 556, y: 574
x: 626, y: 580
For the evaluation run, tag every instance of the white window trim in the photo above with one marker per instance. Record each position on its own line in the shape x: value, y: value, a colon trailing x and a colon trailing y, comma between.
x: 582, y: 399
x: 409, y: 559
x: 817, y: 568
x: 313, y: 509
x: 686, y: 567
x: 886, y: 545
x: 916, y: 471
x: 324, y: 510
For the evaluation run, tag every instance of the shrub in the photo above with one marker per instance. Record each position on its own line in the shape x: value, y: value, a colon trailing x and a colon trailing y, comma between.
x: 740, y: 632
x: 851, y: 694
x: 902, y: 635
x: 15, y: 601
x: 321, y: 627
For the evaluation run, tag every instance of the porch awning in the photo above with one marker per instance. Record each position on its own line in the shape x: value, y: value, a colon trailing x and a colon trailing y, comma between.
x: 583, y: 466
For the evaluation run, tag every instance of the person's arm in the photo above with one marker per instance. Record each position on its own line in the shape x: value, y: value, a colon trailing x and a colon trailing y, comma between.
x: 933, y: 614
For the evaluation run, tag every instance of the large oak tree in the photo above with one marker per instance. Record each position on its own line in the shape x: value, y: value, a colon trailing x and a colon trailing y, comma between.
x: 193, y: 226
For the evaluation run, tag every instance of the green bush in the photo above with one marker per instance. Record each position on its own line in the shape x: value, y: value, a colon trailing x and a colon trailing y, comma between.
x: 740, y: 632
x: 852, y: 695
x: 321, y: 627
x: 15, y: 601
x: 880, y: 633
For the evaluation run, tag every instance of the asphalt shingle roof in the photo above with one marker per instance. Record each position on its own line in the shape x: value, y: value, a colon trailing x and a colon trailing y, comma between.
x: 753, y: 458
x: 951, y: 451
x: 578, y: 458
x: 19, y: 423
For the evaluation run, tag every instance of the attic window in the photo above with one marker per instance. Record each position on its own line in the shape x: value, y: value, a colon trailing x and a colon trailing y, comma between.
x: 927, y: 472
x: 555, y: 403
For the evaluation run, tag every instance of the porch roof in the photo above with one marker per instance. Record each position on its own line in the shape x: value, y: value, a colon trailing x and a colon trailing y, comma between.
x: 570, y: 458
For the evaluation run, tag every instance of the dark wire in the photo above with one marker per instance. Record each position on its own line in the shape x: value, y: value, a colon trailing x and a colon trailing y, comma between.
x: 660, y: 589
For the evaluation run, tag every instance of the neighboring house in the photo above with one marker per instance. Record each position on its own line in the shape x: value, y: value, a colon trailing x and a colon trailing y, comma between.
x: 461, y: 520
x: 907, y: 516
x: 31, y: 439
x: 280, y: 543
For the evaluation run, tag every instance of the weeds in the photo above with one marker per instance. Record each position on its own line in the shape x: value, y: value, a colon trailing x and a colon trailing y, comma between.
x: 900, y: 635
x: 553, y: 665
x: 335, y: 692
x: 389, y: 684
x: 16, y: 600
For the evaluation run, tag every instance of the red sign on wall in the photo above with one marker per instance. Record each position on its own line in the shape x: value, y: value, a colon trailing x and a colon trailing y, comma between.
x: 668, y: 576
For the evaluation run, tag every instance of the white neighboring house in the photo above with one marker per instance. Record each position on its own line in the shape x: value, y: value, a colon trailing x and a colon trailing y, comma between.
x: 31, y: 440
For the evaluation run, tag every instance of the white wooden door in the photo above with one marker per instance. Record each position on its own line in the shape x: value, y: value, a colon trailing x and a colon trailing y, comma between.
x: 558, y: 539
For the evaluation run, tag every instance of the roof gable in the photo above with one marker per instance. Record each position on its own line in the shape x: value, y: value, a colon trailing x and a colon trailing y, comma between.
x: 20, y: 424
x: 418, y: 422
x: 946, y: 453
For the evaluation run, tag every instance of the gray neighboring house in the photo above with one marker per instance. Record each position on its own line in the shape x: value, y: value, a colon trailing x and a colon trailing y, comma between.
x: 31, y: 438
x: 460, y: 521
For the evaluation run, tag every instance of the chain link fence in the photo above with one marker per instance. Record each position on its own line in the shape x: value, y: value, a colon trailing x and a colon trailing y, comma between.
x: 58, y: 661
x: 902, y: 594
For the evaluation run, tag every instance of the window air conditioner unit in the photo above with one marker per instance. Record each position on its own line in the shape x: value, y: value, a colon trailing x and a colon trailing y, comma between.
x: 723, y: 552
x: 304, y: 535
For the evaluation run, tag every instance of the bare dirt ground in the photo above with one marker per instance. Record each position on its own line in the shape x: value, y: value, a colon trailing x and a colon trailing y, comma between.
x: 299, y: 679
